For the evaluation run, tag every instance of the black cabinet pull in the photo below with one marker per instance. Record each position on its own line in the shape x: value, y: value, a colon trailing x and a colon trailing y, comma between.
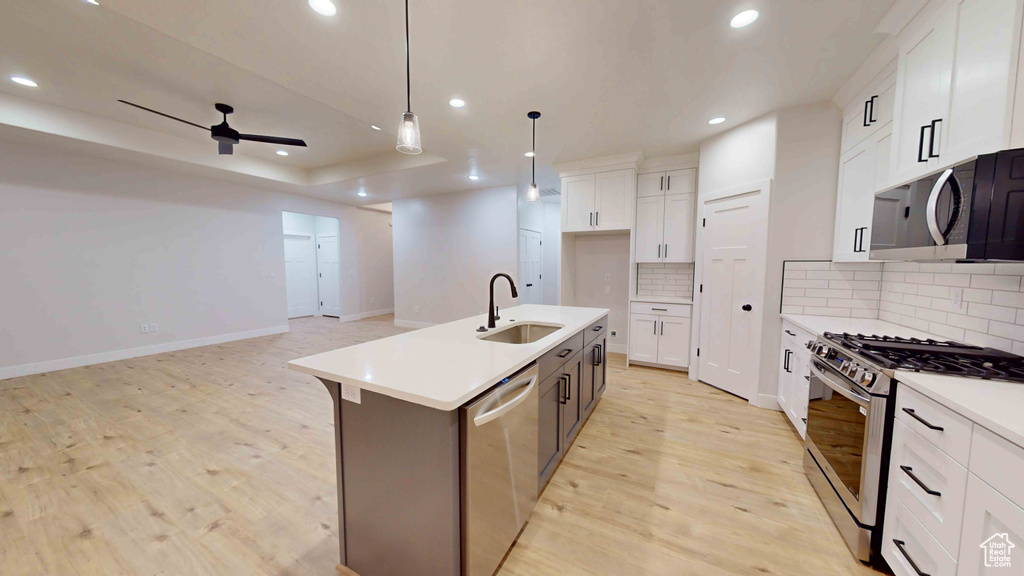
x: 597, y: 218
x: 913, y: 414
x: 561, y: 390
x: 910, y: 472
x: 655, y: 327
x: 568, y: 386
x: 867, y: 117
x: 669, y: 187
x: 591, y: 218
x: 660, y: 309
x: 598, y: 328
x: 931, y: 139
x: 790, y: 333
x: 808, y: 378
x: 659, y: 250
x: 598, y: 355
x: 747, y: 307
x: 900, y: 545
x: 565, y: 353
x: 666, y: 250
x: 662, y: 328
x: 858, y: 239
x: 785, y: 360
x: 871, y: 117
x: 662, y: 185
x: 856, y: 235
x: 920, y: 145
x: 528, y: 285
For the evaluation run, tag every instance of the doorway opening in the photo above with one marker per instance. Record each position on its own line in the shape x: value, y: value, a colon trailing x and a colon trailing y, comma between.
x: 312, y: 265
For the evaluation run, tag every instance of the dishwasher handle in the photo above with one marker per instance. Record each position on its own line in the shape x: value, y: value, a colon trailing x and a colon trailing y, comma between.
x: 507, y: 407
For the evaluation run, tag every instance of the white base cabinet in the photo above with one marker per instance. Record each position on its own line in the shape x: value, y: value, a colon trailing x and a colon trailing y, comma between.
x: 660, y: 334
x: 794, y: 392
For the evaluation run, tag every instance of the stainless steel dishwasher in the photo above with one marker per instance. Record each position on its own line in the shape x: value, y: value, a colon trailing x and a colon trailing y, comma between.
x: 499, y: 470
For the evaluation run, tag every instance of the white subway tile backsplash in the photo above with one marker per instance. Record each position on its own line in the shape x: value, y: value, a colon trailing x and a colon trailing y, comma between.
x: 996, y: 282
x: 975, y: 295
x: 962, y: 280
x: 920, y: 278
x: 1004, y: 330
x: 669, y: 279
x: 831, y: 289
x: 967, y: 322
x: 1014, y: 299
x: 1000, y: 313
x: 933, y: 291
x: 1010, y: 269
x: 931, y: 315
x: 946, y: 331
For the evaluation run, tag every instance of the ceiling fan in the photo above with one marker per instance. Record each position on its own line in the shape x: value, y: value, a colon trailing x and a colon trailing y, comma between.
x: 225, y: 135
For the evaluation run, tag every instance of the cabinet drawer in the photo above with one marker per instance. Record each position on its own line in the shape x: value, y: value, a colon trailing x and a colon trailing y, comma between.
x: 559, y: 355
x: 595, y: 330
x: 917, y: 552
x: 799, y: 336
x: 1000, y: 463
x: 918, y: 466
x: 939, y: 425
x: 661, y: 309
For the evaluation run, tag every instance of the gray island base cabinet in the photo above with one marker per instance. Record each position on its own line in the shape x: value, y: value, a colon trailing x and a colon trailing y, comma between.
x: 399, y: 475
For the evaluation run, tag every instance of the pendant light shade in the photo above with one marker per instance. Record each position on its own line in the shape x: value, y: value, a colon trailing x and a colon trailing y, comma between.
x: 409, y: 134
x: 409, y: 129
x: 533, y: 194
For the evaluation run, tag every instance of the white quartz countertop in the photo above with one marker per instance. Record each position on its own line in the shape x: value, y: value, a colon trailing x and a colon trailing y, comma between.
x: 818, y: 325
x: 994, y: 404
x: 445, y: 366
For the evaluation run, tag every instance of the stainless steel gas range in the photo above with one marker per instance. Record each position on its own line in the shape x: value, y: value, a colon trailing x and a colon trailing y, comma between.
x: 849, y: 429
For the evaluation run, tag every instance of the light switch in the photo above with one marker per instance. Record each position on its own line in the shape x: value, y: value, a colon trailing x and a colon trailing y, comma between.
x: 154, y: 327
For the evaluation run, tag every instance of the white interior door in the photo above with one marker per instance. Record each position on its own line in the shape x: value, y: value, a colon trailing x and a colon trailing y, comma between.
x: 300, y: 275
x: 733, y: 272
x: 328, y: 275
x: 531, y: 289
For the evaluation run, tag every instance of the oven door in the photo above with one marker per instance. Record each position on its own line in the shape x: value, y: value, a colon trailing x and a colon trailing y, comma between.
x: 845, y: 435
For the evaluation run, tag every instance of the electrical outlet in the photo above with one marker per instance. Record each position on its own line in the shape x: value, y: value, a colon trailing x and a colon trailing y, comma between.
x: 351, y: 393
x: 614, y: 334
x: 154, y: 327
x: 144, y: 328
x: 372, y: 299
x: 956, y: 294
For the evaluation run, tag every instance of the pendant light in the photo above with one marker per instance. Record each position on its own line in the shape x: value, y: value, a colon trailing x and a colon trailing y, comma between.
x: 409, y: 129
x: 533, y: 194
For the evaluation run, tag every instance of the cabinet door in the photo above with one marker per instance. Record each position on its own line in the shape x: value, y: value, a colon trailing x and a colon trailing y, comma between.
x: 983, y: 78
x: 650, y: 185
x: 855, y: 203
x: 600, y: 375
x: 588, y: 386
x: 615, y: 198
x: 643, y: 337
x: 783, y: 394
x: 866, y: 116
x: 650, y: 222
x: 991, y: 524
x: 681, y: 181
x: 922, y: 94
x: 572, y: 402
x: 578, y: 203
x: 549, y: 431
x: 674, y: 341
x: 679, y: 224
x: 799, y: 389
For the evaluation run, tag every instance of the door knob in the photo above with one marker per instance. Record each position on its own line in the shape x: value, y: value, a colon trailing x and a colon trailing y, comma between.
x: 747, y: 307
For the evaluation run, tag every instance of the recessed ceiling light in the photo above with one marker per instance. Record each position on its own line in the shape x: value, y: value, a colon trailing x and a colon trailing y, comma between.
x: 717, y: 120
x: 361, y: 194
x: 24, y: 81
x: 530, y: 154
x: 374, y: 127
x: 325, y: 7
x: 282, y: 153
x: 456, y: 103
x: 474, y: 177
x: 93, y: 2
x: 745, y: 18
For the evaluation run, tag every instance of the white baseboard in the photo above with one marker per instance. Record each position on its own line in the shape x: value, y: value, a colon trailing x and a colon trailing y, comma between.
x: 618, y: 348
x: 363, y: 315
x: 113, y: 356
x: 766, y: 401
x: 656, y: 365
x: 413, y: 324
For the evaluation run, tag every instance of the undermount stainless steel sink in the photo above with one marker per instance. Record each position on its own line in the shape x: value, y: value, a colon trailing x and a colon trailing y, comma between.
x: 524, y: 333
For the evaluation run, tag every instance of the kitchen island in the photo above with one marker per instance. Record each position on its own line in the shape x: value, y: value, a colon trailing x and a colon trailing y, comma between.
x: 439, y: 467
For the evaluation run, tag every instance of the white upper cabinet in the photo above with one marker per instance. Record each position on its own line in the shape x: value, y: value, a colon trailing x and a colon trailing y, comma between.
x: 648, y: 185
x: 614, y: 205
x: 680, y: 212
x: 602, y: 201
x: 870, y: 112
x: 862, y: 172
x: 650, y: 232
x: 984, y: 77
x: 681, y: 181
x: 922, y: 94
x: 578, y: 203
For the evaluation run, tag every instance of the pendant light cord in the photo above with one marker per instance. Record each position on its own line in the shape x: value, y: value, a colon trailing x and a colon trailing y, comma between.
x: 408, y: 77
x: 533, y: 159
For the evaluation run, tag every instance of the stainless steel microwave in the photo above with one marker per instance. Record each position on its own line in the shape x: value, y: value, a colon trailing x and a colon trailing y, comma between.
x: 972, y: 211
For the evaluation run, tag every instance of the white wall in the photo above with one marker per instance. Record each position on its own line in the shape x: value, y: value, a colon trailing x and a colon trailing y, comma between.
x: 602, y: 281
x: 92, y: 248
x: 447, y: 247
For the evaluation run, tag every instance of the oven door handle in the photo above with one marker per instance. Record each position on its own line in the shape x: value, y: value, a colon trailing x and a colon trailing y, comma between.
x: 844, y: 390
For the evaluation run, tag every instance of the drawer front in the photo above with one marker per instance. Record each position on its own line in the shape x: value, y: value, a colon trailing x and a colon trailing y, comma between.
x: 939, y: 425
x: 919, y: 467
x: 908, y: 547
x: 559, y: 355
x: 799, y: 336
x: 661, y: 309
x: 1001, y: 464
x: 993, y: 533
x: 595, y: 330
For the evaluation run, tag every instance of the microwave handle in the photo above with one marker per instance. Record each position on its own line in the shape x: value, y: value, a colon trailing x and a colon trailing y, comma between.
x: 931, y: 213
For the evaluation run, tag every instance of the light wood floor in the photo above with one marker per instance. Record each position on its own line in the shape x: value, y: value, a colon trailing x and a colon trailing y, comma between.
x: 219, y: 460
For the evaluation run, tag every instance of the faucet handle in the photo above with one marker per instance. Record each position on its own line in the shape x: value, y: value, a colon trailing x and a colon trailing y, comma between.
x: 496, y: 310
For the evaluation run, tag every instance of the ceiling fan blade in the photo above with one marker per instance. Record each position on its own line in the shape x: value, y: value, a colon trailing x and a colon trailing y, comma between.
x: 272, y: 140
x: 226, y: 148
x: 164, y: 115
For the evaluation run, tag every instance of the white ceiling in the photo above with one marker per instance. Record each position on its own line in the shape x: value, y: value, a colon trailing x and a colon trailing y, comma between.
x: 608, y: 76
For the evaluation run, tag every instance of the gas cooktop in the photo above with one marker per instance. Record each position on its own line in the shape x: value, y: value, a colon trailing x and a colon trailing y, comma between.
x: 951, y: 358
